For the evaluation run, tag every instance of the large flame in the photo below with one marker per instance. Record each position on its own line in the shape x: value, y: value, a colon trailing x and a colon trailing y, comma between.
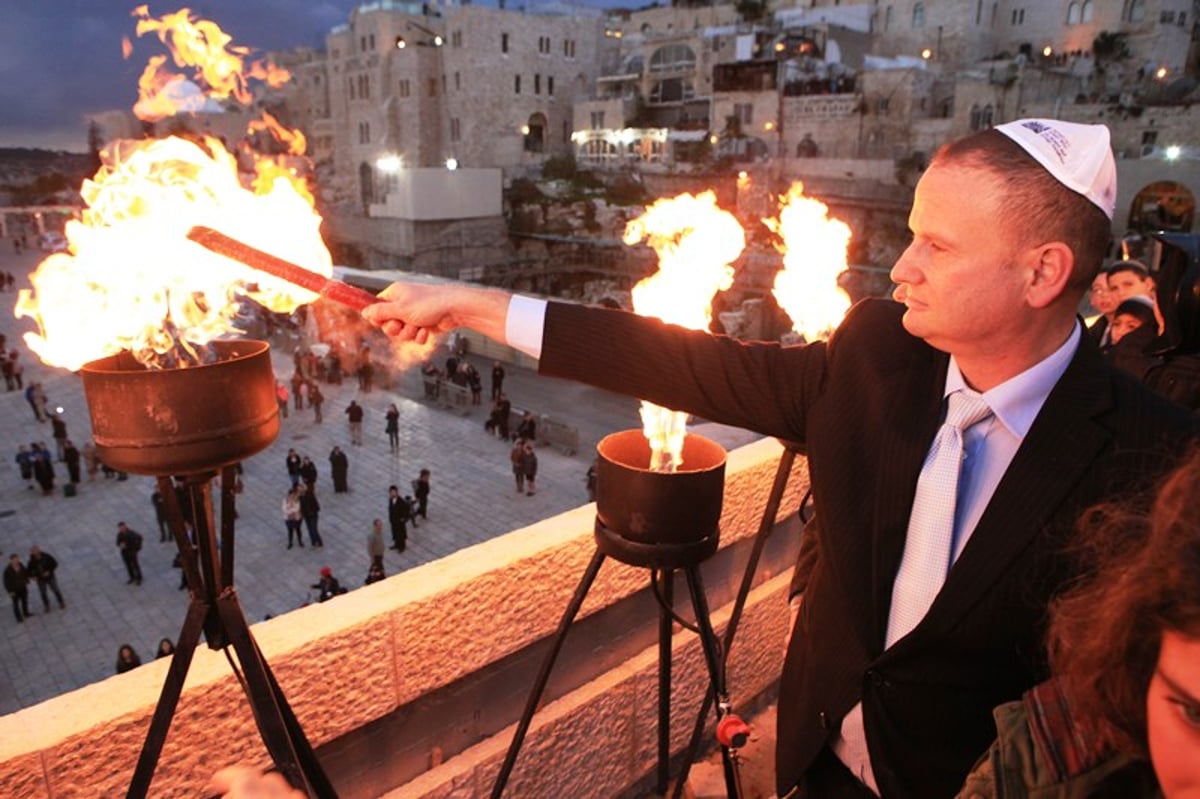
x: 814, y: 254
x: 132, y: 280
x: 696, y: 242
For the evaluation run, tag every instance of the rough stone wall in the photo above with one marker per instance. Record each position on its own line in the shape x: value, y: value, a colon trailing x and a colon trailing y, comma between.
x: 348, y: 663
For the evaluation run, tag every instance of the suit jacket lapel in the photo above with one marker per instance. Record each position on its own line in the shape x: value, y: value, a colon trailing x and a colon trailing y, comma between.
x: 902, y: 447
x: 1061, y: 445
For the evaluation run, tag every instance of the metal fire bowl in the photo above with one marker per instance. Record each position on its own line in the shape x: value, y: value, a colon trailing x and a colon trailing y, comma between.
x: 177, y: 421
x: 658, y: 519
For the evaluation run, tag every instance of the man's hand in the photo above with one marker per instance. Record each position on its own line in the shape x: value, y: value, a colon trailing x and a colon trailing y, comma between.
x: 411, y: 311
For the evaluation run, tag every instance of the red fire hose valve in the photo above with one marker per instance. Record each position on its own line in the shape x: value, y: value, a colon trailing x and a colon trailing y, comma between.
x: 732, y: 731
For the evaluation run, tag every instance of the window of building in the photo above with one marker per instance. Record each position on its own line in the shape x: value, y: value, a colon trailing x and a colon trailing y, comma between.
x: 745, y: 113
x: 597, y: 120
x: 1135, y: 10
x: 1150, y: 137
x: 568, y: 48
x: 1166, y: 18
x: 431, y: 87
x: 537, y: 84
x: 443, y: 84
x: 350, y: 87
x: 371, y: 41
x: 404, y: 88
x: 457, y: 83
x: 881, y: 106
x: 673, y: 58
x: 1073, y: 14
x: 362, y: 44
x: 1018, y: 16
x: 672, y: 90
x: 535, y: 139
x: 364, y: 132
x: 1089, y: 8
x: 455, y: 129
x: 456, y: 39
x: 504, y: 42
x: 888, y: 18
x: 550, y: 85
x: 918, y: 17
x: 985, y: 117
x: 978, y: 12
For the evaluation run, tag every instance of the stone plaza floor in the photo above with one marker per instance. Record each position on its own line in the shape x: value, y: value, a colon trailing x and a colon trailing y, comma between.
x: 473, y: 499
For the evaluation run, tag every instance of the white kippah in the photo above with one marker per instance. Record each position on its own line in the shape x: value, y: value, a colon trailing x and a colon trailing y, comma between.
x: 1078, y: 156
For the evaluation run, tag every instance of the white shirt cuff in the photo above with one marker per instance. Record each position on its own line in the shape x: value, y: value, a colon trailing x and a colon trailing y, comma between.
x: 524, y: 324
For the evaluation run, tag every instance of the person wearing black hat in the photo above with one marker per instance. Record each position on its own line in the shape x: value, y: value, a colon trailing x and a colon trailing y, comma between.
x: 972, y: 413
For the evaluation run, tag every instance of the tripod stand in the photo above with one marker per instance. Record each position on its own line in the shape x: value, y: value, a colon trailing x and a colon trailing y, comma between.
x: 214, y: 608
x: 668, y: 560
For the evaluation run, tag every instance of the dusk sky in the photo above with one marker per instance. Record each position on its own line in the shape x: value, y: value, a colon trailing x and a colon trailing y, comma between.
x: 61, y: 59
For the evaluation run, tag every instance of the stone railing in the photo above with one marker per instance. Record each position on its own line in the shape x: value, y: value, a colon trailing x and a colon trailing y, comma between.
x: 411, y: 687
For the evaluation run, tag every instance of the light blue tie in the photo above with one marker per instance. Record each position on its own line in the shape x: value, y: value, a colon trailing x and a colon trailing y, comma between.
x: 928, y: 545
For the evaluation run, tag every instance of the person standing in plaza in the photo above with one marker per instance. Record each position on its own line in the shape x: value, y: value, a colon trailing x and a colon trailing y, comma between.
x: 308, y: 473
x: 43, y: 468
x: 516, y: 457
x: 375, y: 544
x: 281, y: 397
x: 42, y: 569
x: 310, y: 512
x: 71, y: 458
x: 392, y: 427
x: 316, y: 399
x: 497, y: 380
x: 127, y: 659
x: 59, y: 433
x: 160, y: 515
x: 293, y: 461
x: 16, y: 583
x: 399, y: 512
x: 17, y: 368
x: 339, y: 470
x: 421, y: 492
x: 529, y: 465
x: 354, y: 413
x: 25, y: 465
x: 291, y: 516
x: 129, y: 542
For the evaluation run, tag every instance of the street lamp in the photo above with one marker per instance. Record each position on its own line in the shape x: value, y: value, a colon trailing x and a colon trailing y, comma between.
x: 1173, y: 152
x: 389, y: 164
x: 927, y: 54
x: 452, y: 164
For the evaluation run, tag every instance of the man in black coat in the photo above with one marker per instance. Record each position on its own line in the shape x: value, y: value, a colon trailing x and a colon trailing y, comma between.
x: 16, y: 583
x: 399, y: 515
x: 1009, y: 227
x: 42, y: 568
x: 129, y: 541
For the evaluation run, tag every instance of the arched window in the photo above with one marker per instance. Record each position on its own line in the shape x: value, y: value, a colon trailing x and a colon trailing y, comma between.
x: 918, y: 19
x: 673, y: 58
x: 985, y: 119
x: 535, y: 139
x: 1136, y: 10
x: 1073, y: 14
x: 1088, y: 9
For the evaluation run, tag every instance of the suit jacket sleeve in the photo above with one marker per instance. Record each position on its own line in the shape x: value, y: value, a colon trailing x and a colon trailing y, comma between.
x: 762, y: 387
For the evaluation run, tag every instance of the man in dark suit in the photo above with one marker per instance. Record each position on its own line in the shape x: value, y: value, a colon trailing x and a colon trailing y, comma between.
x: 1009, y: 227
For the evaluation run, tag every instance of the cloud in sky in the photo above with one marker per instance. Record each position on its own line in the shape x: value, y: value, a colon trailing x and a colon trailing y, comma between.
x: 62, y: 58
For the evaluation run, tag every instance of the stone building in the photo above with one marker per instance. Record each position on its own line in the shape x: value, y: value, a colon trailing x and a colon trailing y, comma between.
x: 486, y: 87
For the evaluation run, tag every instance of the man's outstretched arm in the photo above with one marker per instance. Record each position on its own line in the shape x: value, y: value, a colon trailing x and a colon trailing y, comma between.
x: 416, y: 311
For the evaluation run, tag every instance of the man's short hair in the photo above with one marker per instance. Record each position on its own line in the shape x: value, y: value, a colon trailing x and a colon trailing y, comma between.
x: 1037, y: 205
x: 1137, y: 267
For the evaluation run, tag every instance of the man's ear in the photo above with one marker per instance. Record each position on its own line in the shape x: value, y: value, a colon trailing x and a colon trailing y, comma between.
x: 1052, y: 266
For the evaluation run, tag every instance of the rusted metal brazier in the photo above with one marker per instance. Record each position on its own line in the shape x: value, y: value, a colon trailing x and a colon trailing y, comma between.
x: 658, y: 519
x: 176, y: 421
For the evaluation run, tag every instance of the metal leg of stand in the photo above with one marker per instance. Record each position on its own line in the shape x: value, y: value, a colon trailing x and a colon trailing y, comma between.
x: 770, y: 511
x: 539, y: 686
x: 665, y: 629
x: 268, y: 715
x: 716, y: 668
x: 168, y: 700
